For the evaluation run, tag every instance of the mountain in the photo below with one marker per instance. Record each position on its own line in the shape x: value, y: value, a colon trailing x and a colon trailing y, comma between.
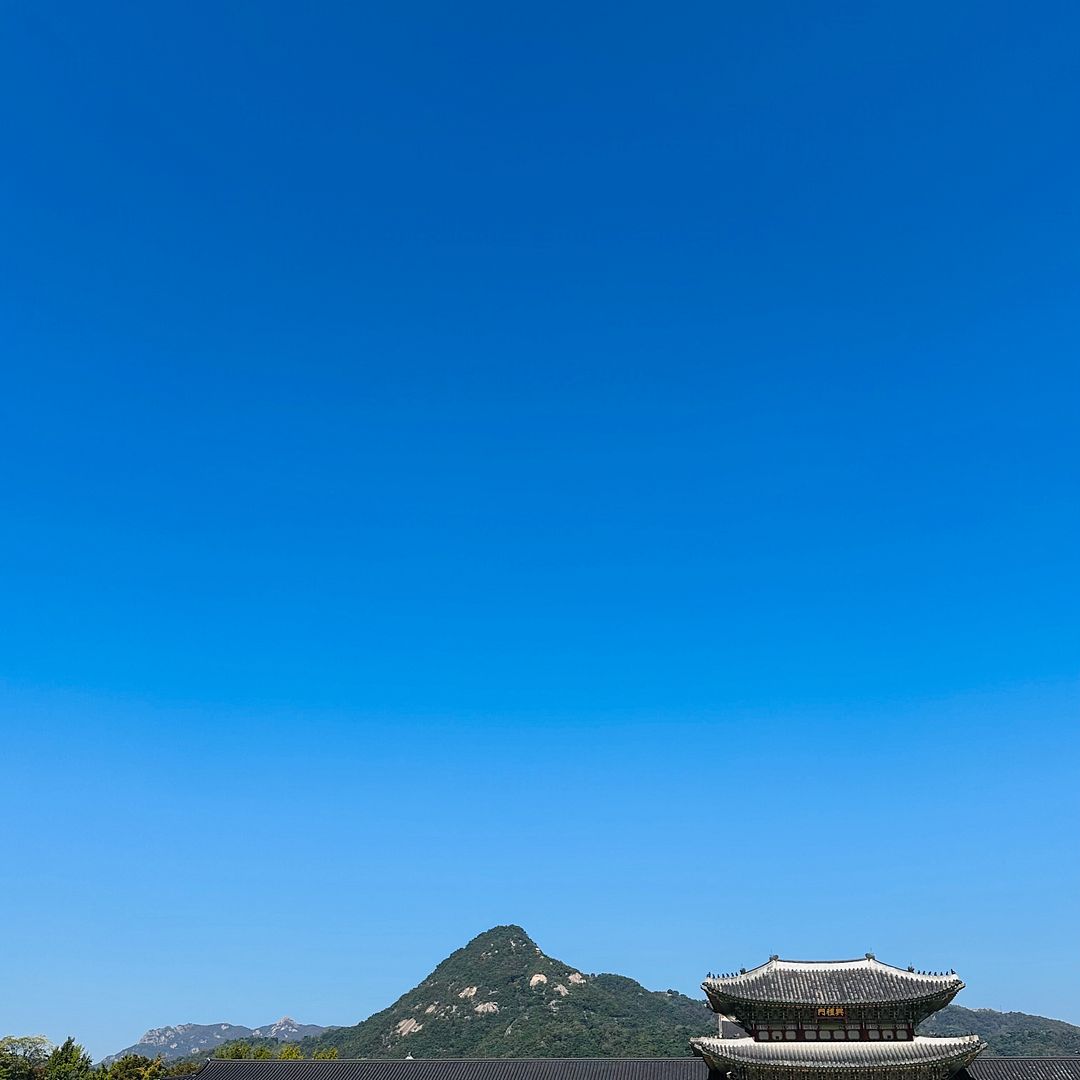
x: 501, y: 997
x: 1007, y: 1034
x: 190, y: 1040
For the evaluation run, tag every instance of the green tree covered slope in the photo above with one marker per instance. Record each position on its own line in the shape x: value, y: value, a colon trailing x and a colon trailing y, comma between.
x: 501, y: 997
x: 1008, y: 1034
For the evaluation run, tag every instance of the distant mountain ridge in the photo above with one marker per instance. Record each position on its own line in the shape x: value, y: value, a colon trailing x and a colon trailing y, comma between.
x: 190, y: 1040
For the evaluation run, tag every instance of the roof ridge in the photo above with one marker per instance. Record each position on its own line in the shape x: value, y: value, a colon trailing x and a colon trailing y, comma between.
x: 854, y: 960
x: 868, y: 959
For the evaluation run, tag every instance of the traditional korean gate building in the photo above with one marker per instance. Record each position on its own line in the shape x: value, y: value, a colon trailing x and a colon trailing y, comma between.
x: 854, y: 1019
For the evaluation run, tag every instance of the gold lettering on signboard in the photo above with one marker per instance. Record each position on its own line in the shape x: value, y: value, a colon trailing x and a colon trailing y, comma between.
x: 830, y: 1012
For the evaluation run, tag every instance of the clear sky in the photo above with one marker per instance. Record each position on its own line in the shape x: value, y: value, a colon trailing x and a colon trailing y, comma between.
x: 606, y: 467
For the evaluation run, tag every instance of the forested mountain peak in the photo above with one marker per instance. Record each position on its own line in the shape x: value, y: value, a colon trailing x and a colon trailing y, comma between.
x: 502, y: 996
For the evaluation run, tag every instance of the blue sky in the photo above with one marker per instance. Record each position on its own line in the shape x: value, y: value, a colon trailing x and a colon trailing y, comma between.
x: 603, y: 468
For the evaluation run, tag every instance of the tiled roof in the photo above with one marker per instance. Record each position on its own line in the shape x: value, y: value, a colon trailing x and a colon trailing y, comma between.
x: 687, y: 1068
x: 834, y: 1055
x: 1024, y: 1068
x: 839, y: 982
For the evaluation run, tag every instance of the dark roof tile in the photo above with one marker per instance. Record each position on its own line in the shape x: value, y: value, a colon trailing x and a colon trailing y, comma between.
x: 832, y: 982
x: 688, y: 1068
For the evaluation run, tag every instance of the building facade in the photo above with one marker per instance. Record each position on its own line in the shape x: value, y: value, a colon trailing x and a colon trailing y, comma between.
x: 824, y: 1020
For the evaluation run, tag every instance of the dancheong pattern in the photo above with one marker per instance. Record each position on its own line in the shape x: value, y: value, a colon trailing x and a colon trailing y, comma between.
x: 823, y: 1020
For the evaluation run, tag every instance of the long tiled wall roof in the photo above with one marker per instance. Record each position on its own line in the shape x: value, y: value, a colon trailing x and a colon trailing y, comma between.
x: 687, y: 1068
x: 841, y: 982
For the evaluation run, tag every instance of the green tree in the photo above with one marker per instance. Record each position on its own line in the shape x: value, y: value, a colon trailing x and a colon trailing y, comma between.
x: 262, y: 1053
x: 235, y: 1051
x: 291, y: 1052
x: 69, y: 1061
x: 184, y: 1067
x: 23, y: 1057
x: 134, y: 1067
x: 329, y: 1054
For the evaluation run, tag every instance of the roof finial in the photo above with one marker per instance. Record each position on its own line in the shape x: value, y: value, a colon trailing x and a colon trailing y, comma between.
x: 775, y: 956
x: 870, y: 956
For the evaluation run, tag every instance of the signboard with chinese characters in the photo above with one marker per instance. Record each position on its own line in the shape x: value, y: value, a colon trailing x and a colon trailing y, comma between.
x: 830, y: 1012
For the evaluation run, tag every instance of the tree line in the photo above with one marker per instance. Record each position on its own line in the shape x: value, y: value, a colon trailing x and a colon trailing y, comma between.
x: 243, y: 1051
x: 33, y: 1057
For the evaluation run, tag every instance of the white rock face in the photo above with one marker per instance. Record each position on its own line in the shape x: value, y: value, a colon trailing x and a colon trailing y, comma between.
x: 407, y: 1027
x: 160, y: 1036
x: 560, y: 989
x: 577, y: 978
x: 487, y: 1007
x: 285, y: 1028
x: 537, y: 979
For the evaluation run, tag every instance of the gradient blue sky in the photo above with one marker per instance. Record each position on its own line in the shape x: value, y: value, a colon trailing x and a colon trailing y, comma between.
x: 602, y: 467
